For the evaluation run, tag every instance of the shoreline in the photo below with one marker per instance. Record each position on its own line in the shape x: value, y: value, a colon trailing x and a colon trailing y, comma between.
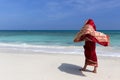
x: 81, y: 52
x: 26, y: 65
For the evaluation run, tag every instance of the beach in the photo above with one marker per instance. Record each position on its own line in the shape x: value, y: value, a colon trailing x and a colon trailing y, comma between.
x: 27, y: 65
x: 52, y: 55
x: 49, y: 40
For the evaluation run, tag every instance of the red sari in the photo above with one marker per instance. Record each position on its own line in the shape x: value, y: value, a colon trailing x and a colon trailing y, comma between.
x: 90, y: 48
x: 90, y: 53
x: 89, y: 34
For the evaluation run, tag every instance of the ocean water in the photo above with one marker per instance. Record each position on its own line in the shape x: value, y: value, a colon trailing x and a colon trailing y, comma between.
x: 55, y: 41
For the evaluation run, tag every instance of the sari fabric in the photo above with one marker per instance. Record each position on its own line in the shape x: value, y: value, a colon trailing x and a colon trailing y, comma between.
x: 89, y: 34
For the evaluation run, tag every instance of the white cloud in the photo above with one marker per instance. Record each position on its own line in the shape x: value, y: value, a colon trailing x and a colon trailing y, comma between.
x: 87, y: 5
x: 55, y: 10
x: 112, y: 4
x: 68, y: 7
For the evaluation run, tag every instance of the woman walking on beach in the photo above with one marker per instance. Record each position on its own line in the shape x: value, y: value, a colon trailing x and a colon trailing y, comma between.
x: 89, y: 34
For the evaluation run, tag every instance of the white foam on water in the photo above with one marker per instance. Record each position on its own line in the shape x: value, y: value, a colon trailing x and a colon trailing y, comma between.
x: 100, y: 50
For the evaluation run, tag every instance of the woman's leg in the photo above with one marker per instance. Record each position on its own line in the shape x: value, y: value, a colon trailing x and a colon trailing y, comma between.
x: 95, y: 69
x: 84, y: 68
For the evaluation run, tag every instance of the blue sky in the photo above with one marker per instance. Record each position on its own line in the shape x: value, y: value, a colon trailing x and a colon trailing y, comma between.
x: 58, y: 14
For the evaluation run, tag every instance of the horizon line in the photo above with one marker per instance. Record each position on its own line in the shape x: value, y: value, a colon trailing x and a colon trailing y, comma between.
x: 45, y: 29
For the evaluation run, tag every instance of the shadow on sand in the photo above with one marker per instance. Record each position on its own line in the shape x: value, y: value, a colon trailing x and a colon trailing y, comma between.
x: 71, y: 69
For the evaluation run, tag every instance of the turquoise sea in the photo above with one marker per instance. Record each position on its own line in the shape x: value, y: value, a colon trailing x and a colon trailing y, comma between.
x: 55, y: 41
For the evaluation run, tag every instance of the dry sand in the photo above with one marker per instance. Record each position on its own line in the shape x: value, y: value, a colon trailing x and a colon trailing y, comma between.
x: 26, y: 65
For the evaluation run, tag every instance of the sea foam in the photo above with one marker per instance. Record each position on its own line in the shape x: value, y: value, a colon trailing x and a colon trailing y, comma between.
x: 100, y: 50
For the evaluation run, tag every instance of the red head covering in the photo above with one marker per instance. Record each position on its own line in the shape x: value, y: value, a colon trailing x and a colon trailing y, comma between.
x: 91, y: 22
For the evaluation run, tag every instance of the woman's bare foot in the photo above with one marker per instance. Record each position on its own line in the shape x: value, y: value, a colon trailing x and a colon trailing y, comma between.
x: 82, y: 69
x: 94, y: 71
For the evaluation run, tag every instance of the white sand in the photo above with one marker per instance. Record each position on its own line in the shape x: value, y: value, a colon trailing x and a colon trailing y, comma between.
x: 25, y: 65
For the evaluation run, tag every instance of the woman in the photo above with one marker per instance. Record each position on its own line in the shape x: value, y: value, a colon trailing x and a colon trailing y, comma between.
x: 89, y: 34
x: 89, y: 50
